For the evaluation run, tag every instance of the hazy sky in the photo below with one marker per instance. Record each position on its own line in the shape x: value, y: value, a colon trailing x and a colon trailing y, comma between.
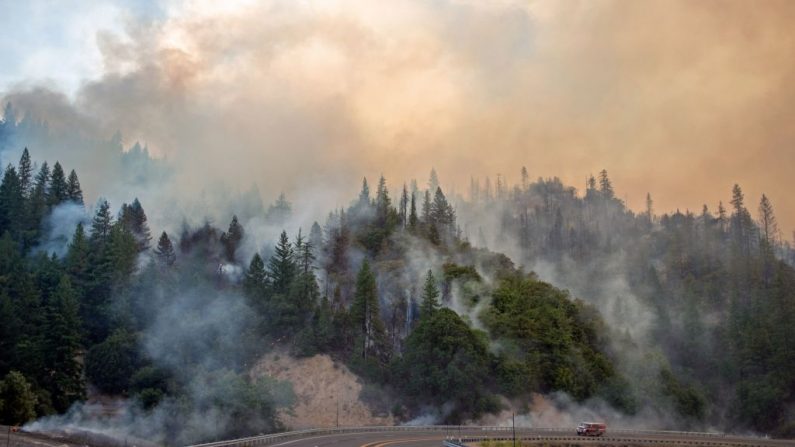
x: 678, y: 98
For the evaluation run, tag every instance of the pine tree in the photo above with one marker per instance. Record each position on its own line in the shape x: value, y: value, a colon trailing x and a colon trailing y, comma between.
x: 605, y: 187
x: 364, y: 195
x: 649, y: 208
x: 62, y: 346
x: 101, y: 224
x: 430, y: 296
x: 73, y: 191
x: 39, y: 198
x: 433, y: 181
x: 58, y: 186
x: 426, y: 208
x: 255, y: 283
x: 25, y: 174
x: 413, y: 221
x: 364, y: 310
x: 383, y: 203
x: 12, y: 202
x: 316, y: 236
x: 767, y: 223
x: 77, y: 259
x: 281, y: 266
x: 133, y: 219
x: 232, y: 238
x: 525, y: 179
x: 165, y: 253
x: 404, y: 203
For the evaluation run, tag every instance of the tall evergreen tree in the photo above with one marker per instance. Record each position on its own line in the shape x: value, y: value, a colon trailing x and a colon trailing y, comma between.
x: 78, y: 264
x: 404, y: 203
x: 133, y: 219
x: 101, y: 224
x: 58, y: 186
x: 364, y: 310
x: 426, y: 208
x: 25, y: 174
x: 430, y: 296
x: 364, y: 195
x: 605, y: 187
x: 383, y: 203
x: 12, y: 202
x: 281, y: 266
x: 62, y: 347
x: 232, y: 238
x: 413, y: 220
x: 433, y: 181
x: 73, y: 191
x: 767, y: 223
x: 165, y: 253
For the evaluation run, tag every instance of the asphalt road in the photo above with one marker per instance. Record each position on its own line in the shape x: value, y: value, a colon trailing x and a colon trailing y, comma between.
x: 434, y: 438
x: 422, y: 438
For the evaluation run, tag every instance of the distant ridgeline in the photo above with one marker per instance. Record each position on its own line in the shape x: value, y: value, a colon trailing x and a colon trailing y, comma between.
x: 132, y: 167
x: 690, y: 316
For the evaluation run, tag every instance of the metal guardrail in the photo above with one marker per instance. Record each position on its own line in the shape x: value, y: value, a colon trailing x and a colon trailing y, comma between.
x: 725, y: 441
x: 527, y: 434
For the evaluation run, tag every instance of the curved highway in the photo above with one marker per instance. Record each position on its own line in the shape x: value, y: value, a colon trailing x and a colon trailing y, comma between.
x: 435, y: 436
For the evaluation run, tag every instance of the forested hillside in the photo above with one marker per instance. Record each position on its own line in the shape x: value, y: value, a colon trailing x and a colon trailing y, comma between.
x: 685, y: 317
x: 700, y: 303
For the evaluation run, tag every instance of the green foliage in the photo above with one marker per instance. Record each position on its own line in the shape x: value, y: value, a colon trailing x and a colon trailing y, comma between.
x: 688, y: 401
x: 446, y: 361
x: 111, y: 364
x: 551, y: 333
x: 430, y: 296
x: 17, y: 400
x: 62, y: 347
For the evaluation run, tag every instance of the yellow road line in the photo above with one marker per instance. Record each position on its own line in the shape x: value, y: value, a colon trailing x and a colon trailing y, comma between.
x: 396, y: 441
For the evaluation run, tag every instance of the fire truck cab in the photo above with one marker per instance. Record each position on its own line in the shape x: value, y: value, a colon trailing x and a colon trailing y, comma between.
x: 591, y: 429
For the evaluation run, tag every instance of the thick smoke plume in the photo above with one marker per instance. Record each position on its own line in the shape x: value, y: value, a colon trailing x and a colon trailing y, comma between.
x: 305, y: 96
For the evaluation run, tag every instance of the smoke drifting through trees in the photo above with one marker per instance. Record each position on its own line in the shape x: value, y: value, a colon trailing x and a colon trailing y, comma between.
x: 347, y: 89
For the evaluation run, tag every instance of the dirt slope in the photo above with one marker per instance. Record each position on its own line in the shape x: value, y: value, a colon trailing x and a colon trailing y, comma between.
x: 321, y: 387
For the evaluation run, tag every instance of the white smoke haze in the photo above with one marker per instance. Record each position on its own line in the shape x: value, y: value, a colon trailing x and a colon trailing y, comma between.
x: 293, y: 95
x: 59, y: 227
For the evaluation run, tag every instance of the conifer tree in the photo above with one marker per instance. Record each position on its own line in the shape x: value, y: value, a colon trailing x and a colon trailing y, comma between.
x: 525, y: 179
x: 430, y: 296
x: 605, y: 187
x: 404, y: 203
x: 133, y: 219
x: 101, y: 224
x: 364, y: 195
x: 413, y: 221
x: 255, y: 284
x: 767, y: 223
x: 426, y: 208
x: 73, y: 190
x: 62, y: 347
x: 11, y: 202
x: 77, y: 259
x: 232, y: 238
x: 364, y: 310
x: 25, y: 174
x: 433, y: 181
x: 39, y: 197
x: 281, y: 266
x: 58, y: 186
x: 383, y: 203
x: 165, y: 253
x: 316, y: 236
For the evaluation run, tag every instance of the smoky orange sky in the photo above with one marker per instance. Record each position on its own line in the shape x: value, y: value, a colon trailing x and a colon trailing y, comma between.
x: 681, y: 99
